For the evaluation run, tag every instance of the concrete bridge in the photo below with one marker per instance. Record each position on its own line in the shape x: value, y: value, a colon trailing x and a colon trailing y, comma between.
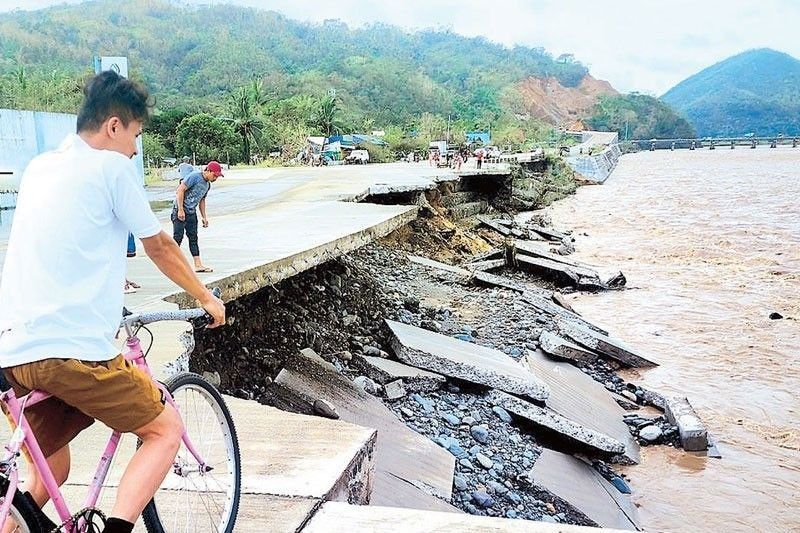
x: 729, y: 143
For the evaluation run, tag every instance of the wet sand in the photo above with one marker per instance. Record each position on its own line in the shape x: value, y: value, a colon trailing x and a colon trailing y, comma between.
x: 710, y: 243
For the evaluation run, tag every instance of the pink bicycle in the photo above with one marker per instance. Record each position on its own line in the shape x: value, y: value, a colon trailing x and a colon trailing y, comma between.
x: 201, y: 493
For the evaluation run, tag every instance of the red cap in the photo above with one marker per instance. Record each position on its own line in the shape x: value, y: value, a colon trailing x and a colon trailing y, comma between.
x: 215, y: 168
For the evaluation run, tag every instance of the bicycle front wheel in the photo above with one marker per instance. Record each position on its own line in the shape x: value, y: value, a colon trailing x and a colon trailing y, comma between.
x: 197, y: 497
x: 23, y: 516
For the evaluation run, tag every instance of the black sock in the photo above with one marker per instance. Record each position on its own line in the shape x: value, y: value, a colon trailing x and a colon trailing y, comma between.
x: 117, y: 525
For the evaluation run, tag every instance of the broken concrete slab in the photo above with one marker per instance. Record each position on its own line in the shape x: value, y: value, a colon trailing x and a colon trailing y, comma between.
x: 343, y: 518
x: 562, y: 274
x: 531, y: 249
x: 486, y: 265
x: 584, y: 489
x: 499, y: 228
x: 578, y: 397
x: 430, y: 263
x: 546, y: 305
x: 493, y: 280
x: 694, y: 436
x: 485, y: 278
x: 385, y: 371
x: 398, y: 450
x: 464, y: 360
x: 579, y: 436
x: 402, y: 493
x: 563, y: 349
x: 603, y: 344
x: 548, y: 233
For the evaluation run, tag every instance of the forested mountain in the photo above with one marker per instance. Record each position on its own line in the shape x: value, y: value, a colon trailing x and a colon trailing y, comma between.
x: 189, y: 54
x: 757, y: 91
x: 272, y: 80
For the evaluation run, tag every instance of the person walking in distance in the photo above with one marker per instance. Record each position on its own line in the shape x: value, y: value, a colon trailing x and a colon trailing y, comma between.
x: 61, y: 296
x: 189, y: 198
x: 184, y: 169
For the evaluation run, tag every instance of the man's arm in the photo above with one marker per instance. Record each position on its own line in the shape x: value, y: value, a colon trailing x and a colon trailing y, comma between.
x: 180, y: 193
x: 202, y: 207
x: 164, y: 252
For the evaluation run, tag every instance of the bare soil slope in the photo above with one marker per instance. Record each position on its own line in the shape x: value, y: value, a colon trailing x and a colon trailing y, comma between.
x: 562, y: 106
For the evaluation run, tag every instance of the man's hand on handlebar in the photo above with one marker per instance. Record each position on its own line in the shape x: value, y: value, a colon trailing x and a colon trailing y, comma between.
x: 215, y: 308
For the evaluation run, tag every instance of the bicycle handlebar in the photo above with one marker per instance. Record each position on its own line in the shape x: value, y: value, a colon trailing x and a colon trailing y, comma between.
x: 184, y: 315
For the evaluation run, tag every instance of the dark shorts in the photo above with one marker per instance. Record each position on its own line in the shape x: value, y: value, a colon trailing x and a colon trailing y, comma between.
x: 115, y: 392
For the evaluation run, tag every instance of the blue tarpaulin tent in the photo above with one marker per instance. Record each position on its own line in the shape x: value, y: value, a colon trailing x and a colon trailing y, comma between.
x: 483, y: 136
x: 351, y: 141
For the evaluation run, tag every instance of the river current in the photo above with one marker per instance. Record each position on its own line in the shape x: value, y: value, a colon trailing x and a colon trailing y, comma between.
x: 710, y: 244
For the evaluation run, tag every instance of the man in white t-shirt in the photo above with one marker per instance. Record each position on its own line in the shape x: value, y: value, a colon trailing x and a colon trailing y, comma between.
x: 184, y: 169
x: 61, y: 295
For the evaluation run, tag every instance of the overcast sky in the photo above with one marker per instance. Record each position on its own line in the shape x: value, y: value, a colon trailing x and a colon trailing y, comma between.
x: 637, y: 45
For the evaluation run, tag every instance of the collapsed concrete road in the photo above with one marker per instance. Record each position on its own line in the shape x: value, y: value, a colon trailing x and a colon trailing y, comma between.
x: 405, y: 462
x: 579, y: 437
x: 385, y: 371
x: 584, y: 488
x: 463, y: 360
x: 561, y: 348
x: 603, y: 344
x: 582, y: 400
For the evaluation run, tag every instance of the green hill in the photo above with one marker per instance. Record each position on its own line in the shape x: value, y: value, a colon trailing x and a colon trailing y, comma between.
x: 195, y: 54
x: 270, y: 81
x: 757, y: 91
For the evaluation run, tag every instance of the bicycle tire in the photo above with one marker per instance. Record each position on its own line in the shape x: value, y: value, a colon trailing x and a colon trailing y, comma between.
x: 190, y: 381
x: 24, y: 512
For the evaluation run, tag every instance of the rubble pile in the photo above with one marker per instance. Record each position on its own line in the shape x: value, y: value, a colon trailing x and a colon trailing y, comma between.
x: 419, y: 335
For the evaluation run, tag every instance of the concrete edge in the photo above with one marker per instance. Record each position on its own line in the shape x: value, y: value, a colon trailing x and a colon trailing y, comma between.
x: 253, y: 279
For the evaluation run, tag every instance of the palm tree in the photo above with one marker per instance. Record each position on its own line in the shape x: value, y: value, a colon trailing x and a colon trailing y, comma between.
x: 244, y: 106
x: 326, y: 116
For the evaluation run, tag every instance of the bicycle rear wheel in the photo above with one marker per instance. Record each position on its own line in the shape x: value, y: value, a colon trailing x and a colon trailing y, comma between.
x: 191, y: 499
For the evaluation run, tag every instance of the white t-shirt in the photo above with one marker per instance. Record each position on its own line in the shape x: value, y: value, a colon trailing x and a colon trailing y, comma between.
x: 61, y: 294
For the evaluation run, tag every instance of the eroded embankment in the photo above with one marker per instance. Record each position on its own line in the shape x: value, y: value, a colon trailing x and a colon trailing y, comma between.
x: 340, y: 309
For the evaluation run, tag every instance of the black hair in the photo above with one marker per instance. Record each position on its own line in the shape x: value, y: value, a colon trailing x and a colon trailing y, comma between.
x: 109, y: 95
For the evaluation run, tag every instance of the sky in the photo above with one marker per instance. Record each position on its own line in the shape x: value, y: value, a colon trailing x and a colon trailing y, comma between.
x: 638, y: 45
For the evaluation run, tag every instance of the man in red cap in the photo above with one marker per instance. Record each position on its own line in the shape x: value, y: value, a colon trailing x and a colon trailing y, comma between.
x: 190, y: 196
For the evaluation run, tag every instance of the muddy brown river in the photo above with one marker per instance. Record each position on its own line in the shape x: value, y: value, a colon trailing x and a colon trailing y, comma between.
x: 710, y: 244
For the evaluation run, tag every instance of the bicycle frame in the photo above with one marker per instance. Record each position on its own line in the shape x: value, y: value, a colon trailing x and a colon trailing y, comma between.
x: 22, y: 435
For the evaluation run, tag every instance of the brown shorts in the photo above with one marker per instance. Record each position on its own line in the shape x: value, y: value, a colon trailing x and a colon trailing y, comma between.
x: 115, y: 392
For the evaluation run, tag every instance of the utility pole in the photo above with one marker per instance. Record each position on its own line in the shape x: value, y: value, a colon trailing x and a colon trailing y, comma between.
x: 448, y: 129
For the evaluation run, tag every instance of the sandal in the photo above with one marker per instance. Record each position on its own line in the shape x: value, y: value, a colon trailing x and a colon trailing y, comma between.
x: 204, y: 269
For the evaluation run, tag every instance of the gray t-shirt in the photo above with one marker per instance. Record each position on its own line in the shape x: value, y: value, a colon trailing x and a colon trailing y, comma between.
x: 196, y: 189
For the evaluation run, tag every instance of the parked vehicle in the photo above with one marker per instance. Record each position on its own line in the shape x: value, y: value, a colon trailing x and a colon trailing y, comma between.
x: 357, y: 157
